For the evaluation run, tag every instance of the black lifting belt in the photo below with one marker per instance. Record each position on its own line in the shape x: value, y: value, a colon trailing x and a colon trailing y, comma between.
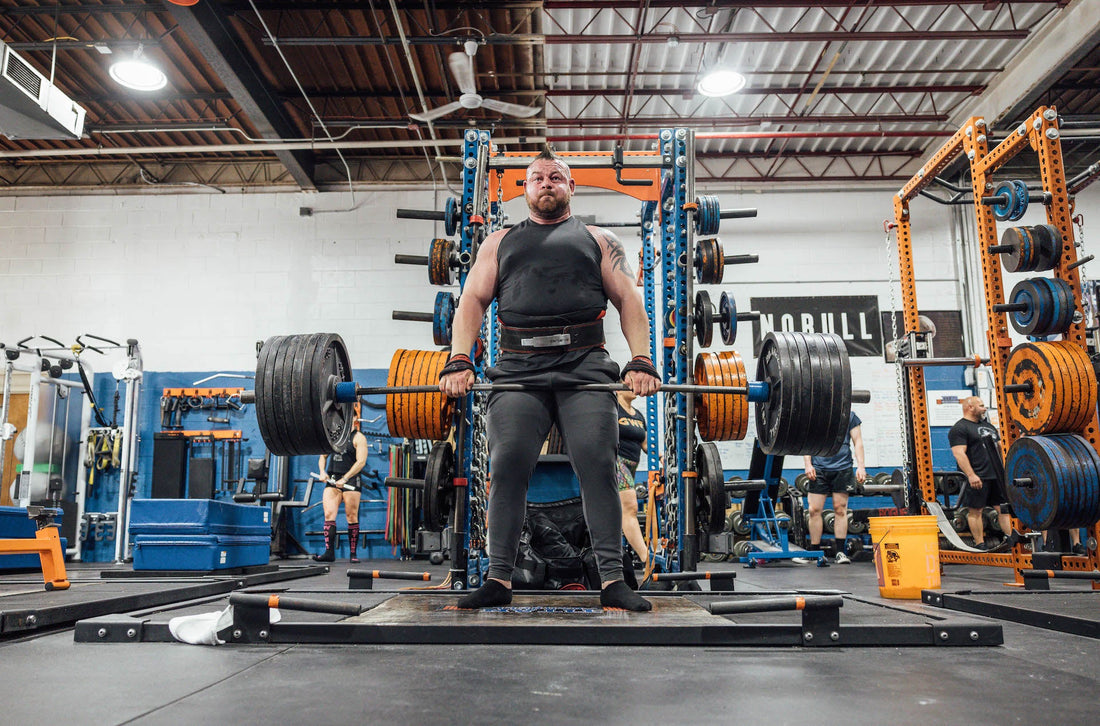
x: 556, y: 339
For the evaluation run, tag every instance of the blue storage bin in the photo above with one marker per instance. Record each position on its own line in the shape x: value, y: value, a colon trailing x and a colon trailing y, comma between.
x: 200, y: 552
x: 15, y: 524
x: 198, y: 517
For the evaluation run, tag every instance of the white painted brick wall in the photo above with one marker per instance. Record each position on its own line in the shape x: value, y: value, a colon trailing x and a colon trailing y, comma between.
x: 198, y: 278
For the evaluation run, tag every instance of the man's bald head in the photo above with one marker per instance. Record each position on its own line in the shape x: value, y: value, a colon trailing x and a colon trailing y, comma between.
x: 973, y: 407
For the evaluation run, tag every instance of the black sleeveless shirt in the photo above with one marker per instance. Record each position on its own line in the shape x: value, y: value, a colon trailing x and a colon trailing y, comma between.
x: 548, y: 275
x: 340, y: 464
x: 631, y: 434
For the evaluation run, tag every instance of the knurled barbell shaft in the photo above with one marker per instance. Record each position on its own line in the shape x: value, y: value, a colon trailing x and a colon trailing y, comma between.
x: 858, y: 395
x: 671, y: 388
x: 881, y: 488
x: 411, y: 260
x: 414, y: 316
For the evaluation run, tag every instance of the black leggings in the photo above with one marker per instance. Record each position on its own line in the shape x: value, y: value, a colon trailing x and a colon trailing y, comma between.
x: 518, y: 423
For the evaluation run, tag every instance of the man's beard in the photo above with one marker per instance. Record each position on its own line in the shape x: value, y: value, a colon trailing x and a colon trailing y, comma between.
x: 548, y: 206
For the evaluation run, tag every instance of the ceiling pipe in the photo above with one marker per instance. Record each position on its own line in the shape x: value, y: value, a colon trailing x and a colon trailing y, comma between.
x: 763, y: 135
x: 257, y: 148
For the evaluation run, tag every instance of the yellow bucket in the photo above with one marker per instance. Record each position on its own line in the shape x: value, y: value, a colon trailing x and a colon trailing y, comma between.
x: 907, y: 555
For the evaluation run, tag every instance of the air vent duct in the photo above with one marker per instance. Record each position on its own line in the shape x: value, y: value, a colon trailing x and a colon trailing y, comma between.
x: 30, y: 106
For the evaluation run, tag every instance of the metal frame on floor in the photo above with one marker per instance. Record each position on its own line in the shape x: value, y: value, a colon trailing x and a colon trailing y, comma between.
x: 569, y: 618
x: 22, y: 611
x: 1048, y: 609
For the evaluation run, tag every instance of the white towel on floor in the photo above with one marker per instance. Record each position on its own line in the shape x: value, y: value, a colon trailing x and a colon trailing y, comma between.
x: 203, y: 629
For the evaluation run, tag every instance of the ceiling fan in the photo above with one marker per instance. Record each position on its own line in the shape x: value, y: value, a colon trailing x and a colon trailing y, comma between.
x: 462, y: 68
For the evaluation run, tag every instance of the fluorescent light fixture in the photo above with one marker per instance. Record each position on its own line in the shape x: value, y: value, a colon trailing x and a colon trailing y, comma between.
x: 138, y: 73
x: 721, y: 82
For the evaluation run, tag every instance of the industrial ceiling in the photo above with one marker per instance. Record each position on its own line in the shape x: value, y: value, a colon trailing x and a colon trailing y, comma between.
x: 312, y: 95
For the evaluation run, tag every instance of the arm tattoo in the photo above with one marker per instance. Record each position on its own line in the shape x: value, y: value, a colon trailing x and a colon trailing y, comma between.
x: 618, y: 254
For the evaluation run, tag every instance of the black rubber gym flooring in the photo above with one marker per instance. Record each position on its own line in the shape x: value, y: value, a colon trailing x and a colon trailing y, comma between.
x: 1037, y: 674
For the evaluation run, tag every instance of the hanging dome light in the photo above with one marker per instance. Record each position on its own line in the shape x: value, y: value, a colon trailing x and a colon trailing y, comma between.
x: 138, y: 73
x: 721, y: 82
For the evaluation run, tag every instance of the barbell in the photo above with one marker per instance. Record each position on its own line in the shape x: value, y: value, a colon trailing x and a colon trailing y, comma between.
x: 304, y: 394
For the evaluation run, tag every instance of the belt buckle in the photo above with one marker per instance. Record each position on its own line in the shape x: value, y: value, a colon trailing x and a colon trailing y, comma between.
x: 547, y: 341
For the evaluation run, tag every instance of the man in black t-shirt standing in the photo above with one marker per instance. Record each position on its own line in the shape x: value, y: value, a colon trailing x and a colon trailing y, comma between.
x: 982, y: 487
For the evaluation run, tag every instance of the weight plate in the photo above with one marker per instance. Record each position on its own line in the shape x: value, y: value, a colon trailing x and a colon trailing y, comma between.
x: 1062, y: 306
x: 708, y: 216
x: 1020, y: 258
x: 1063, y: 393
x: 417, y: 415
x: 897, y: 494
x: 452, y: 216
x: 295, y: 390
x: 703, y: 319
x: 1048, y: 243
x: 739, y: 525
x: 1019, y: 202
x: 1064, y: 470
x: 265, y: 412
x: 1026, y: 292
x: 331, y: 365
x: 802, y: 484
x: 443, y: 316
x: 440, y: 268
x: 709, y: 263
x: 727, y: 318
x: 1002, y: 210
x: 439, y: 474
x: 721, y: 417
x: 711, y: 500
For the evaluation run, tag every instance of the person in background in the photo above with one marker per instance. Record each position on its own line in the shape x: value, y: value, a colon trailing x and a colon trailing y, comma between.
x: 340, y: 473
x: 834, y: 475
x: 982, y: 487
x: 631, y: 445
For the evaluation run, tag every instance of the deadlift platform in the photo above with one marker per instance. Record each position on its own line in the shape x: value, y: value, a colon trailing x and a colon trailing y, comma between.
x: 778, y: 618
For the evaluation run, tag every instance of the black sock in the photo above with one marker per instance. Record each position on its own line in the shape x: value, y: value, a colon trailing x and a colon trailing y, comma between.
x: 629, y: 577
x: 330, y: 543
x: 491, y: 594
x: 353, y: 540
x: 619, y: 595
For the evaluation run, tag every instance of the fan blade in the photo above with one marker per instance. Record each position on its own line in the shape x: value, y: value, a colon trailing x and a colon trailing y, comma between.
x: 512, y: 109
x: 435, y: 113
x: 462, y: 68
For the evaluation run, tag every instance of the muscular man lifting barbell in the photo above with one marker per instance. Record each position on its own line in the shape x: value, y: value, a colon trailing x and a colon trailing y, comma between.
x: 552, y: 277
